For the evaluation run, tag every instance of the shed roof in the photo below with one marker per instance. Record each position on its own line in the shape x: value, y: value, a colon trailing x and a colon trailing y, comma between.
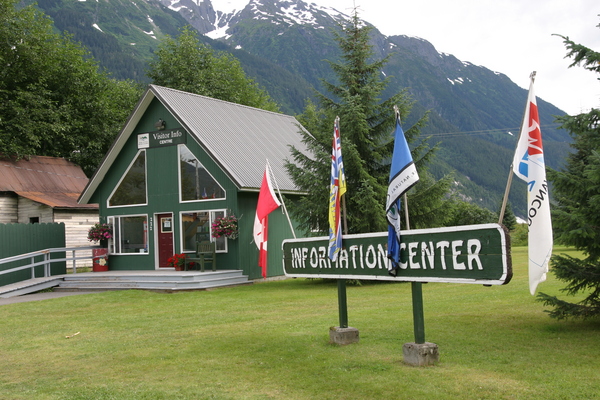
x: 55, y: 182
x: 238, y: 138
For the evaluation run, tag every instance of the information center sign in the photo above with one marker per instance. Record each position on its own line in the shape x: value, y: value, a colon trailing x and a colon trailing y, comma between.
x: 161, y: 138
x: 462, y: 254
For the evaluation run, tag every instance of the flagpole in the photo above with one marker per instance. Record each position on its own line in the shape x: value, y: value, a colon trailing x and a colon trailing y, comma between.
x: 510, y: 171
x: 416, y: 287
x: 417, y: 296
x: 281, y: 198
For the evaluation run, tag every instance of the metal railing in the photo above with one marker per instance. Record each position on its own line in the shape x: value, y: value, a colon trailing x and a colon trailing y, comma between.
x: 47, y: 259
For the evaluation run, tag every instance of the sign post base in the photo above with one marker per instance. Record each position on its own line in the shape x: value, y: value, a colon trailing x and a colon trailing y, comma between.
x: 343, y: 336
x: 420, y: 354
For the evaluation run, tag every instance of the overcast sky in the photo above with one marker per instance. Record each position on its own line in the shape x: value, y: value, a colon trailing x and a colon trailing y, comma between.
x: 513, y: 37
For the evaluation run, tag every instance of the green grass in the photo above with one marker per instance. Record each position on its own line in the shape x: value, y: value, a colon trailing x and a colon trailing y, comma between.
x: 270, y: 341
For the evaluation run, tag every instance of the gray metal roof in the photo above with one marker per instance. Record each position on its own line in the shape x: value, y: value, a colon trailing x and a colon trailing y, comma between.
x: 239, y: 138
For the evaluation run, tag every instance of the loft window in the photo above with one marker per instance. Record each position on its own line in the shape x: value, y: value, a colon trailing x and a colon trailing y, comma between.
x: 131, y: 190
x: 195, y: 181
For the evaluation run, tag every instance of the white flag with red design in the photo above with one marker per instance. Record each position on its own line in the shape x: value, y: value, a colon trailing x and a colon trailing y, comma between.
x: 267, y: 202
x: 528, y: 164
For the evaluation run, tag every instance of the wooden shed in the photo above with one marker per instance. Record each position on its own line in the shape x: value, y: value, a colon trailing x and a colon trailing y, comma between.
x: 45, y: 189
x: 182, y: 161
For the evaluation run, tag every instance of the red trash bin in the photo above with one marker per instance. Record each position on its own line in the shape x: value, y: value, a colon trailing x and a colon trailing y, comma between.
x: 100, y: 261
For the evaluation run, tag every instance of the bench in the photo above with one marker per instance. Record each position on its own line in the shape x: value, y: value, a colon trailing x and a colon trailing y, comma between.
x: 205, y: 253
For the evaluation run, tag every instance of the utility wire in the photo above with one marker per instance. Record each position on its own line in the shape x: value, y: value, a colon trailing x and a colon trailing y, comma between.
x: 514, y: 131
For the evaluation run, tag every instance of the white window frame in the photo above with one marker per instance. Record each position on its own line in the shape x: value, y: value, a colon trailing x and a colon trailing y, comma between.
x: 123, y: 177
x: 179, y: 147
x: 114, y: 245
x: 212, y: 217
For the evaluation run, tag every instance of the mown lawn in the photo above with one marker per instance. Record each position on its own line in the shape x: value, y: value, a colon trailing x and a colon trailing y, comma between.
x: 270, y: 341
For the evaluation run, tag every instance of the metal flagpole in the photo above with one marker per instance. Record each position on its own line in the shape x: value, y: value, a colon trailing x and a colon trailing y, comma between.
x: 416, y: 287
x: 341, y: 283
x: 281, y: 198
x: 510, y: 172
x: 417, y: 296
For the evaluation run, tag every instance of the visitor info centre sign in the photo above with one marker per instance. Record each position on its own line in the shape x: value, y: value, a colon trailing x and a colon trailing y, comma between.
x: 462, y: 254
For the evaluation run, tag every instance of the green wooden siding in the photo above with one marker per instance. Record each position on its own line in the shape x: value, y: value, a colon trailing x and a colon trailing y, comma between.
x: 162, y: 168
x: 279, y: 229
x: 163, y: 197
x: 19, y: 239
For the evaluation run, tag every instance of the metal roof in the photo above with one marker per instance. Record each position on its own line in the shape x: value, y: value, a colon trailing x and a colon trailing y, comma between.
x: 240, y: 139
x: 55, y: 182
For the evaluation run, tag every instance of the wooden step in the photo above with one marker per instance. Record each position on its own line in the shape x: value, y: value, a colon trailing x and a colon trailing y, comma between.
x: 161, y: 280
x: 153, y: 280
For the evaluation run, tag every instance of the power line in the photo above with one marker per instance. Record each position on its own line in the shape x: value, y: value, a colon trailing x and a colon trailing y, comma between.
x: 514, y: 131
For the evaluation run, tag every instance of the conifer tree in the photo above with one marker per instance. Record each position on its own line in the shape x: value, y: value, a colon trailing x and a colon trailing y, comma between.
x: 576, y: 218
x: 366, y: 126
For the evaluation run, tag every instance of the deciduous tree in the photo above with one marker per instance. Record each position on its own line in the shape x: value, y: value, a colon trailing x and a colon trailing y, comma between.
x: 54, y: 101
x: 188, y: 65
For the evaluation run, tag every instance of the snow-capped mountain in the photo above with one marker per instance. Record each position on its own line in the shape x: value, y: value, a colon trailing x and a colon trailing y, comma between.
x: 286, y: 46
x: 215, y: 18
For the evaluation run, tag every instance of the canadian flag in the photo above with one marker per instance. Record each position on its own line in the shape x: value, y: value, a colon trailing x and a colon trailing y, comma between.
x: 267, y: 202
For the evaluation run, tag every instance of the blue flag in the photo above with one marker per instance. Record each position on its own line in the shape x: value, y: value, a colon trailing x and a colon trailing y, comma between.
x: 403, y: 176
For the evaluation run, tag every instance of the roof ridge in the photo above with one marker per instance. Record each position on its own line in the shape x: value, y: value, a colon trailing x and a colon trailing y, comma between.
x: 219, y: 100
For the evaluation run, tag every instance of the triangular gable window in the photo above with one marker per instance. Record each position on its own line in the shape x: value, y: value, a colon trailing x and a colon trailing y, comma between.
x: 195, y: 181
x: 132, y: 187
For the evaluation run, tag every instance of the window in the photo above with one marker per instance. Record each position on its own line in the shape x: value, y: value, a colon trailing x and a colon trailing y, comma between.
x: 131, y: 190
x: 130, y: 234
x: 196, y: 227
x: 195, y: 181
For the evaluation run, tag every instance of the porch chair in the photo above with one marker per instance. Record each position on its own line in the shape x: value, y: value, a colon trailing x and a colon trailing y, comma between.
x: 205, y: 253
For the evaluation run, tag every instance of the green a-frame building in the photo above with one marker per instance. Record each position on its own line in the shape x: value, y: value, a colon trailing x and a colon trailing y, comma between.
x: 181, y: 161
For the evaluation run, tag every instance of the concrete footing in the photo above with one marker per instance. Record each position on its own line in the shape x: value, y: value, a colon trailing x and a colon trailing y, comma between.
x: 343, y: 336
x: 420, y: 354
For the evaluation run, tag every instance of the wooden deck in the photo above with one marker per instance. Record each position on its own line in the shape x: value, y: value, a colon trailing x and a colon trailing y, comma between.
x: 161, y: 280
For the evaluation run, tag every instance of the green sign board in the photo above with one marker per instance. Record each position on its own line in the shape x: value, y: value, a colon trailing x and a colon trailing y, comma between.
x: 162, y: 138
x: 462, y: 254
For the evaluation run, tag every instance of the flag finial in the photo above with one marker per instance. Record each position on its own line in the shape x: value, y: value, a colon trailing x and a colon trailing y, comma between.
x: 397, y: 112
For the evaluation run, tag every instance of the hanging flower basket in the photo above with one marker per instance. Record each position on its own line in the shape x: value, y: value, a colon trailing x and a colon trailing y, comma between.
x: 225, y: 226
x: 100, y: 232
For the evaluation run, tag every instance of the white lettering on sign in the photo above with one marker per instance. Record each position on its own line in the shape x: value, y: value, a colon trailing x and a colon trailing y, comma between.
x: 419, y: 255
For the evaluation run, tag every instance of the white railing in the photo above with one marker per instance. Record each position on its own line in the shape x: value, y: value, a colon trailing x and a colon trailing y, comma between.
x: 47, y: 259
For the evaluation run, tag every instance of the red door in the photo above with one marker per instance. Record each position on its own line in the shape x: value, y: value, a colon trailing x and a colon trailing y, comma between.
x: 165, y: 238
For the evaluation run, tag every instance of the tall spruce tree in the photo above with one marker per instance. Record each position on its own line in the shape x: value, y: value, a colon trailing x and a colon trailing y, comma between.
x: 576, y: 218
x: 366, y: 126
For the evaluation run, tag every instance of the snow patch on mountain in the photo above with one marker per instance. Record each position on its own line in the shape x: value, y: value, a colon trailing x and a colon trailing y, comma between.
x: 290, y: 12
x: 227, y: 6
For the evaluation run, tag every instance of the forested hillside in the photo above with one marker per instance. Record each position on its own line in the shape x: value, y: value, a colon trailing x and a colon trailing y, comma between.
x: 471, y: 108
